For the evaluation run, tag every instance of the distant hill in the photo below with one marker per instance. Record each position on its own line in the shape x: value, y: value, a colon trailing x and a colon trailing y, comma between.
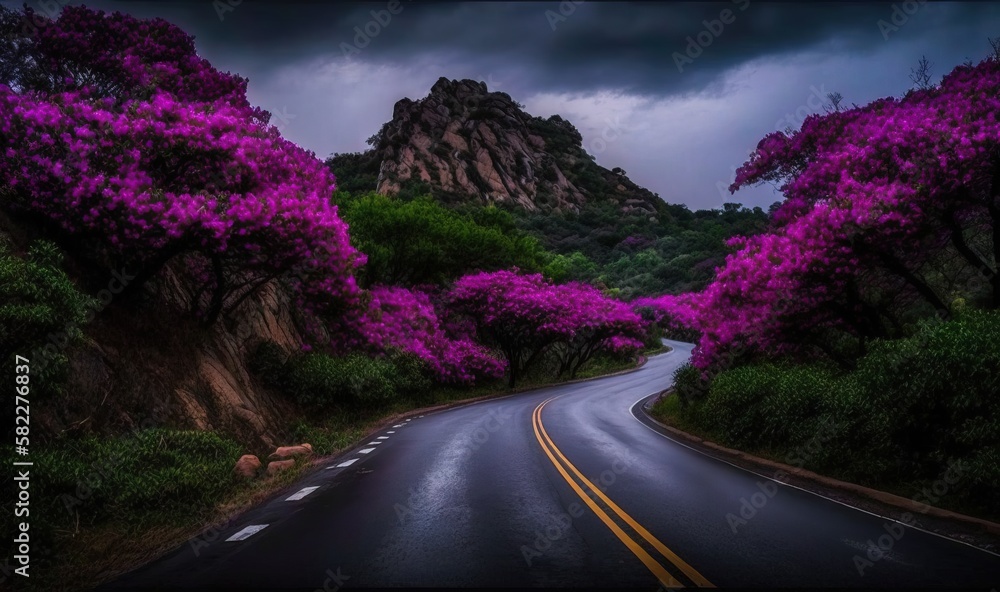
x: 468, y: 147
x: 462, y: 141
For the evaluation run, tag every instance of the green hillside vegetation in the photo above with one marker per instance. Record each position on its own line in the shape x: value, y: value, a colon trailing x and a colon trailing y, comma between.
x: 422, y: 235
x: 419, y: 241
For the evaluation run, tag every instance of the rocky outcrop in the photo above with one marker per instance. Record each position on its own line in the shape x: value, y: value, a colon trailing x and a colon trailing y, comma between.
x: 462, y: 139
x: 150, y: 364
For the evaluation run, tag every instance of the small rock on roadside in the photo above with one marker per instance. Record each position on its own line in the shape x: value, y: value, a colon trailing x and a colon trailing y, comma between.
x: 247, y: 466
x: 290, y: 451
x: 276, y: 466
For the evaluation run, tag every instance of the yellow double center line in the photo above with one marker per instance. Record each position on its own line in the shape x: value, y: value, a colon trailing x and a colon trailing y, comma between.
x: 562, y: 464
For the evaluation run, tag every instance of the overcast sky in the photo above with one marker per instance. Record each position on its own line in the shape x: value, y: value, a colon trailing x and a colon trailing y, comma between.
x: 677, y: 126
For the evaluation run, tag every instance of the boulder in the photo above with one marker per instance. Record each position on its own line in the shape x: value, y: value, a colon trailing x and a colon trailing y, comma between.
x: 247, y: 466
x: 276, y: 466
x: 292, y: 451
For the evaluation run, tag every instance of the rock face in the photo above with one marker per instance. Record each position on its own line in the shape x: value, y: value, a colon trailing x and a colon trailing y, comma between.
x: 464, y: 140
x: 151, y: 365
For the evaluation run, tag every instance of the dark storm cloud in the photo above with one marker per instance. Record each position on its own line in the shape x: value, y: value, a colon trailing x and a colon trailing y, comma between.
x: 682, y: 133
x: 552, y: 46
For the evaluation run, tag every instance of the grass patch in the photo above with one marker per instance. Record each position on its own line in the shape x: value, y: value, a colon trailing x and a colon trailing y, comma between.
x: 653, y: 350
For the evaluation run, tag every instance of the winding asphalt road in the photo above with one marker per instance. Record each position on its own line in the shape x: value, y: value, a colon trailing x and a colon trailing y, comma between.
x: 564, y: 486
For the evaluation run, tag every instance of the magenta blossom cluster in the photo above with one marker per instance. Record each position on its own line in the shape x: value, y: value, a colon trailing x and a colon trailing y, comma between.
x: 120, y: 56
x: 526, y: 315
x: 407, y: 320
x: 872, y: 194
x: 167, y: 175
x: 173, y: 161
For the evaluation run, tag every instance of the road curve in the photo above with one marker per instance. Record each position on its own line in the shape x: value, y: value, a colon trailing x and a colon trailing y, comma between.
x: 563, y: 486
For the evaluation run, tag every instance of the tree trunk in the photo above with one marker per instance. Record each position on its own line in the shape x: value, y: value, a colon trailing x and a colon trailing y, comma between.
x: 899, y: 268
x: 218, y: 295
x: 150, y: 268
x: 995, y: 215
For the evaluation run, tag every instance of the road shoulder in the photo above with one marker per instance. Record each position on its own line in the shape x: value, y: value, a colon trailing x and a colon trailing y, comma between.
x: 966, y: 529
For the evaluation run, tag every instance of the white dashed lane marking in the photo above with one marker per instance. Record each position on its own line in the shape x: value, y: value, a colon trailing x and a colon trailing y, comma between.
x: 409, y: 420
x: 391, y: 432
x: 383, y: 437
x: 398, y: 426
x: 346, y: 463
x: 301, y: 493
x: 365, y: 450
x: 246, y: 532
x: 373, y: 443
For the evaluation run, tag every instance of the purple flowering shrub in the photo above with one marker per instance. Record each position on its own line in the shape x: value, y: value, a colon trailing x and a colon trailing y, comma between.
x: 526, y: 315
x: 876, y: 197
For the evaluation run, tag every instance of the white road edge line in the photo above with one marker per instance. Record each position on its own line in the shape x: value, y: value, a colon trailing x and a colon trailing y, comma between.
x: 365, y: 450
x: 819, y: 495
x: 246, y: 532
x: 301, y: 493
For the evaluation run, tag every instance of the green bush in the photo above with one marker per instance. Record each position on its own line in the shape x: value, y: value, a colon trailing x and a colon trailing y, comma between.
x: 912, y: 408
x: 39, y: 304
x: 411, y: 375
x: 941, y: 390
x: 689, y: 384
x: 421, y: 241
x: 812, y: 416
x: 320, y: 381
x: 154, y: 476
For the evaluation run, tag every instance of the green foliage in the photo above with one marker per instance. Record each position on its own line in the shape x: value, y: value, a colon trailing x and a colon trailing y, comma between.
x: 652, y: 342
x: 764, y: 406
x: 605, y: 363
x: 156, y: 475
x: 561, y: 137
x: 421, y: 241
x: 355, y: 172
x: 319, y: 381
x: 942, y: 388
x: 38, y: 301
x: 689, y: 385
x: 411, y: 376
x: 677, y: 251
x: 575, y: 266
x: 333, y: 433
x: 911, y: 408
